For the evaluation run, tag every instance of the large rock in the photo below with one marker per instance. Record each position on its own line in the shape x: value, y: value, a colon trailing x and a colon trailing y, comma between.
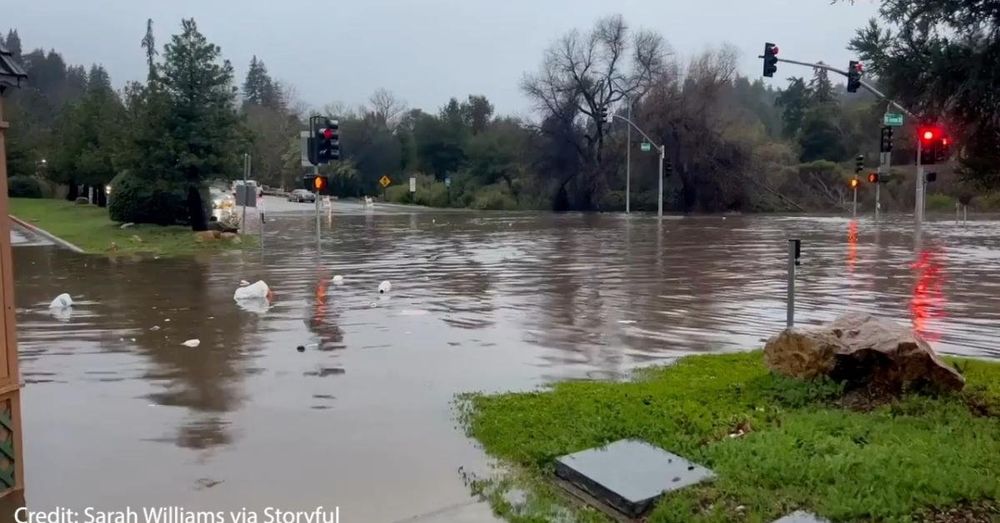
x: 207, y: 236
x: 863, y: 351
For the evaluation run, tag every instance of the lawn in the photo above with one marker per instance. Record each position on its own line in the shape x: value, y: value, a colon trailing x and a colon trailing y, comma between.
x: 906, y: 461
x: 90, y: 228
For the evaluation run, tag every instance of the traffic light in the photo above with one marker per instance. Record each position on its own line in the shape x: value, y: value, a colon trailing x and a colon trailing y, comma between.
x: 770, y: 59
x: 855, y: 182
x: 872, y: 177
x: 315, y: 183
x: 943, y: 150
x: 602, y: 114
x: 326, y: 141
x: 854, y: 71
x: 885, y: 145
x: 930, y: 137
x: 859, y: 163
x: 319, y: 184
x: 668, y: 168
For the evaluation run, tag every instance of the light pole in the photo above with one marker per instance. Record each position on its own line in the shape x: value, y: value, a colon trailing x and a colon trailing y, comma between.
x: 628, y: 160
x: 663, y: 156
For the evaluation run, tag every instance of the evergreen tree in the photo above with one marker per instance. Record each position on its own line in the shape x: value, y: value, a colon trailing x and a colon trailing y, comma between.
x: 149, y: 44
x: 260, y: 89
x: 13, y: 44
x: 794, y: 101
x: 821, y: 88
x: 202, y: 122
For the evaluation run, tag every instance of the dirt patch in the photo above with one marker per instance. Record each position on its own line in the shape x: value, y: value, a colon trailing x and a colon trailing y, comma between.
x: 977, y: 512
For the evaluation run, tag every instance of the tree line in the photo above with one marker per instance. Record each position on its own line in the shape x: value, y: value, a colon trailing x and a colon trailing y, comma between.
x: 734, y: 143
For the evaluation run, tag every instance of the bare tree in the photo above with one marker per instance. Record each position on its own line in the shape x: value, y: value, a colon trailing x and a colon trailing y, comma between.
x: 594, y: 70
x: 386, y: 108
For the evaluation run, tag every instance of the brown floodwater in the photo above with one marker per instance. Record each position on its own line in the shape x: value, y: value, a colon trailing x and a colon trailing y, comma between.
x: 117, y: 412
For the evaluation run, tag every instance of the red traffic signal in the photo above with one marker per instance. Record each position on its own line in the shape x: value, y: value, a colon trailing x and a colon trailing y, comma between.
x: 328, y: 133
x: 872, y: 177
x: 770, y: 57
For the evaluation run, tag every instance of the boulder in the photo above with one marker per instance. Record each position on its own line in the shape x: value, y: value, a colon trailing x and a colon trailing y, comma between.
x: 207, y: 236
x: 862, y: 351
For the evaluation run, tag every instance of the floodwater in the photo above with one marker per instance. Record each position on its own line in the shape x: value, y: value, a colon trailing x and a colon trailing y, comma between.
x: 117, y: 412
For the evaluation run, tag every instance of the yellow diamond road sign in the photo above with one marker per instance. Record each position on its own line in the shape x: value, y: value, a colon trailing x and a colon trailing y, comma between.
x: 385, y: 181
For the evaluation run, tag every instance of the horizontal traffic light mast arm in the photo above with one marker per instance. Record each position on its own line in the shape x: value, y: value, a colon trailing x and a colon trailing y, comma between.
x: 636, y: 127
x: 863, y: 83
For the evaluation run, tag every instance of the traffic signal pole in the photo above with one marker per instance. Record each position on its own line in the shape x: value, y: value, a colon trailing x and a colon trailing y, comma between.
x: 918, y: 212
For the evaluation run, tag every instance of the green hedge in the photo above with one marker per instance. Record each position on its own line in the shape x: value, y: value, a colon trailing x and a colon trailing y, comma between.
x: 143, y: 201
x: 23, y: 187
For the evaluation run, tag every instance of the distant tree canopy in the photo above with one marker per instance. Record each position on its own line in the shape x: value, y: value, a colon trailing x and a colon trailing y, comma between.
x: 733, y: 143
x: 941, y: 57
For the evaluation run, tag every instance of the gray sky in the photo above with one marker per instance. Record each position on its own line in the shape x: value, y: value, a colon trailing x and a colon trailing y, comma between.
x: 425, y: 51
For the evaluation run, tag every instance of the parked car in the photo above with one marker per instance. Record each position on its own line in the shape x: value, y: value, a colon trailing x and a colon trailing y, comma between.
x: 221, y: 199
x: 301, y: 195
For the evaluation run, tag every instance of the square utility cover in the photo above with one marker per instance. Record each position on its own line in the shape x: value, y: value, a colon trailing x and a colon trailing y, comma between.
x: 629, y: 475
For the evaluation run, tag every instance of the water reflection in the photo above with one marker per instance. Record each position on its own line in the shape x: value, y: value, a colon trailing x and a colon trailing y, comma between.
x: 928, y: 305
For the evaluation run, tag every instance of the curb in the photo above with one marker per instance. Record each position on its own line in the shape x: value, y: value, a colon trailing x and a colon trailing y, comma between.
x: 42, y: 232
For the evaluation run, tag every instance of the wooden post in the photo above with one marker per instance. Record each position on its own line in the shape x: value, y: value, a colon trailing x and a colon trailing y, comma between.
x: 11, y: 452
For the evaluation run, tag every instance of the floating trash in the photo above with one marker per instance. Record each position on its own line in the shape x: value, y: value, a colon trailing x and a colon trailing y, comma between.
x: 192, y: 343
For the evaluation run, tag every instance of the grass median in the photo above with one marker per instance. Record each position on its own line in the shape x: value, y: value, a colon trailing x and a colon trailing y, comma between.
x: 776, y: 444
x: 90, y: 228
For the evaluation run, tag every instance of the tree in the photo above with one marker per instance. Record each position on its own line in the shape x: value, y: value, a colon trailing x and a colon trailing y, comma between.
x: 202, y: 122
x: 386, y: 108
x: 820, y: 87
x: 259, y: 89
x: 149, y: 44
x: 794, y: 101
x: 13, y: 44
x: 477, y: 112
x: 592, y: 71
x: 89, y: 132
x: 940, y: 58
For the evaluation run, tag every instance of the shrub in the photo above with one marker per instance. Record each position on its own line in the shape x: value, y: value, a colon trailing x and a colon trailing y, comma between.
x: 612, y: 201
x: 940, y: 202
x: 23, y: 187
x: 493, y: 198
x: 146, y: 201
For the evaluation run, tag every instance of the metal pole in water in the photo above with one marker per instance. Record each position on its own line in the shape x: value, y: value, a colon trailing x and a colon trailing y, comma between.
x: 316, y: 199
x: 659, y: 201
x: 793, y: 255
x: 854, y: 211
x: 878, y: 202
x: 628, y: 162
x: 246, y: 173
x: 918, y: 209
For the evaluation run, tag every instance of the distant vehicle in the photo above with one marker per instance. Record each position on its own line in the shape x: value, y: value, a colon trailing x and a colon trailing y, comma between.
x: 301, y: 195
x: 221, y: 199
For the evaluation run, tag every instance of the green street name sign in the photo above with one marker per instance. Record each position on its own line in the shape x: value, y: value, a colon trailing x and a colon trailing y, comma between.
x: 893, y: 120
x: 646, y: 147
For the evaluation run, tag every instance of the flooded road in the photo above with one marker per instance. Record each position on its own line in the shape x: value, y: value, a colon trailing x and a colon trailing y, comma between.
x: 117, y: 412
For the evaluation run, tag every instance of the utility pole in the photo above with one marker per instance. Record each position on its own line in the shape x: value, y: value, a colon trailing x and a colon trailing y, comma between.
x: 918, y: 209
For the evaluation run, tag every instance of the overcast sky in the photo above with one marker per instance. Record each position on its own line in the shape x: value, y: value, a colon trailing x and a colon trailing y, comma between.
x: 424, y: 51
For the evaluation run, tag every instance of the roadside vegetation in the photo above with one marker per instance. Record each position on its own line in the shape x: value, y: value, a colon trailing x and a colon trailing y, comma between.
x: 89, y: 228
x: 735, y: 142
x: 776, y: 444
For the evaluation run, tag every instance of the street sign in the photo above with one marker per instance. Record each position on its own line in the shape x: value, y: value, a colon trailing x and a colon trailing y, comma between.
x: 447, y: 181
x: 646, y: 147
x: 384, y: 181
x: 893, y: 119
x: 304, y: 145
x: 413, y: 184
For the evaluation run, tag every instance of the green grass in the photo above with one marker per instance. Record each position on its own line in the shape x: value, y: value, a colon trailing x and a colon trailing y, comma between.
x: 801, y: 450
x: 90, y: 228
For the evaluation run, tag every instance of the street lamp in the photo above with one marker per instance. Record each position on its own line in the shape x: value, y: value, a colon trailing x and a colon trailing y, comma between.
x: 663, y: 155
